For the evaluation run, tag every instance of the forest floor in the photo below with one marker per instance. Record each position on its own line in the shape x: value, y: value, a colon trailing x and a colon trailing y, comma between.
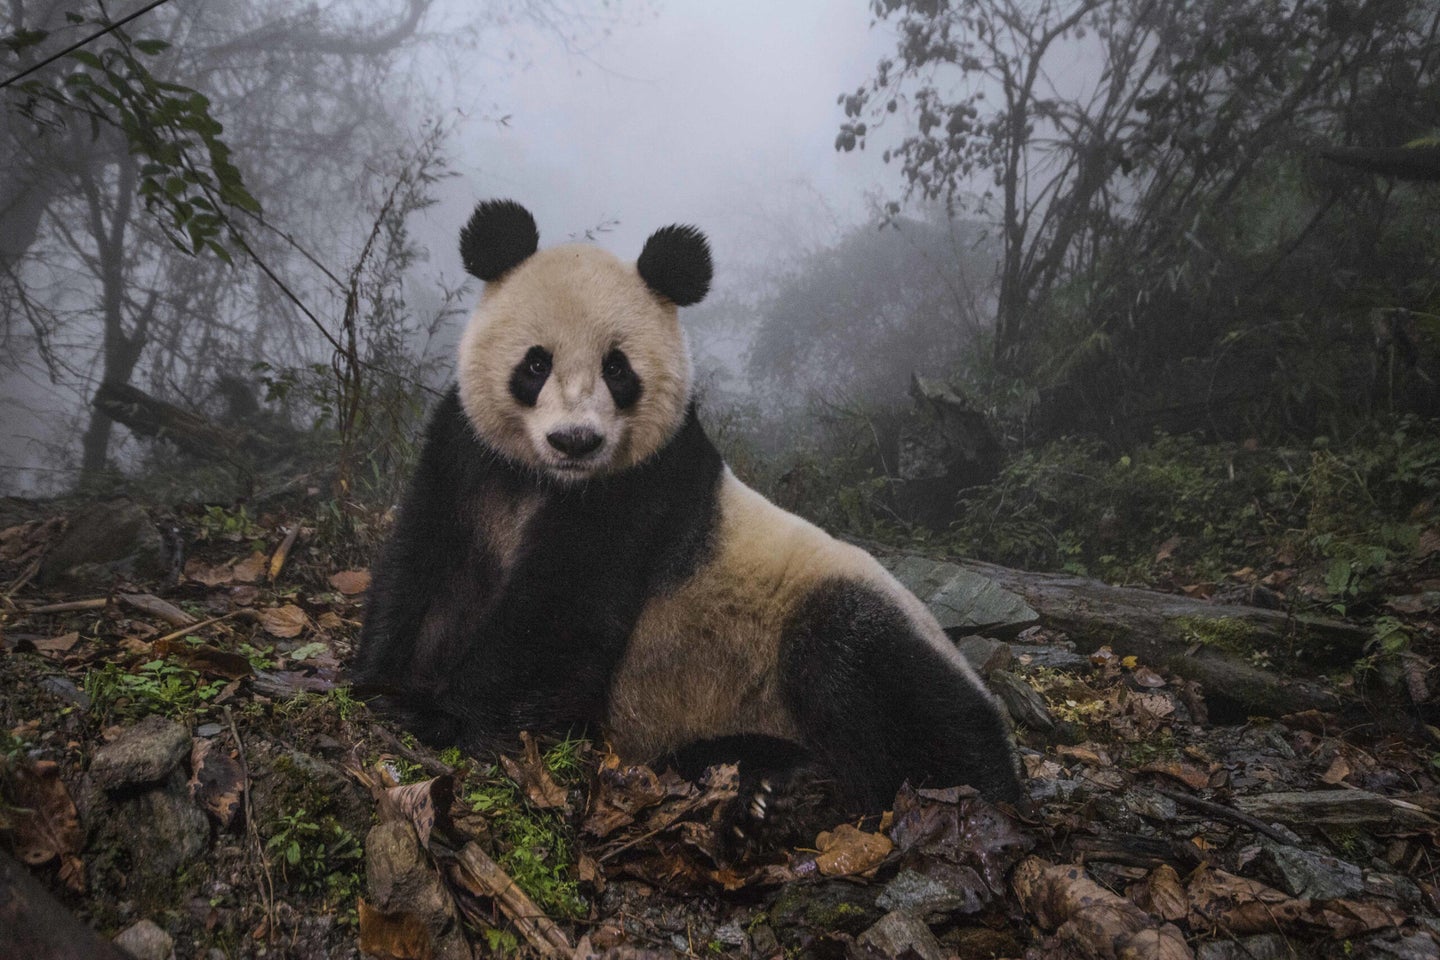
x: 181, y: 765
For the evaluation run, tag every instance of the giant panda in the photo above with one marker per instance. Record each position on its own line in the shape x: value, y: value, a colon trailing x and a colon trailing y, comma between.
x: 573, y: 552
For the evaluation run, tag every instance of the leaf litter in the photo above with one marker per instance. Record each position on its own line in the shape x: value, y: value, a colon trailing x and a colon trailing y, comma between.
x: 1148, y: 832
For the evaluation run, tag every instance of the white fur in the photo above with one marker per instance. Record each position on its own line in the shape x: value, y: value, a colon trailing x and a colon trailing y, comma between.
x: 578, y: 302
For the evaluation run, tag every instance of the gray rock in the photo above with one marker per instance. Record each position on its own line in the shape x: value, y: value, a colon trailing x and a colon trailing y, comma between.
x: 1302, y: 873
x: 1050, y: 655
x: 1412, y: 946
x: 1025, y: 705
x: 1152, y: 805
x: 984, y: 653
x: 402, y: 880
x: 145, y: 753
x: 895, y: 933
x: 963, y: 601
x: 65, y: 689
x: 102, y: 542
x: 920, y: 896
x: 1264, y: 946
x: 146, y: 941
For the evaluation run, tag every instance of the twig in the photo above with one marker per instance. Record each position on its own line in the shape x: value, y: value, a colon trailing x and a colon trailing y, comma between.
x: 484, y: 877
x: 69, y: 606
x: 1226, y: 813
x: 22, y: 580
x: 177, y: 634
x: 429, y: 764
x: 155, y: 607
x: 277, y: 561
x: 252, y: 830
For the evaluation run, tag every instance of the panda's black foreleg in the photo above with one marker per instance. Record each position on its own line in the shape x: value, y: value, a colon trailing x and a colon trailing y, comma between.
x: 780, y: 790
x: 879, y: 704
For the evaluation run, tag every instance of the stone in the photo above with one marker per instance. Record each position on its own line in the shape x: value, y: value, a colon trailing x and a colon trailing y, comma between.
x: 103, y: 542
x: 896, y: 933
x: 1264, y: 946
x: 920, y: 896
x: 985, y: 654
x: 1024, y: 703
x: 401, y: 880
x: 145, y: 753
x: 962, y: 600
x: 1317, y: 876
x: 144, y: 940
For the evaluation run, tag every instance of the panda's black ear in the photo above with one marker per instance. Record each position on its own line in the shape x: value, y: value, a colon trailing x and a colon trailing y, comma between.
x: 676, y: 264
x: 499, y: 236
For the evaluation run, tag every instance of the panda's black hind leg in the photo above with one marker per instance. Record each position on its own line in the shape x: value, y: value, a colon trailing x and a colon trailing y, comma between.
x: 781, y: 790
x: 878, y: 704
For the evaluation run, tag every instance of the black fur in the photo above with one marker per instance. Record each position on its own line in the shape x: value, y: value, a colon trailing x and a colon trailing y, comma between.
x: 466, y: 658
x: 675, y: 263
x: 529, y: 376
x: 500, y: 236
x: 623, y: 382
x: 879, y: 706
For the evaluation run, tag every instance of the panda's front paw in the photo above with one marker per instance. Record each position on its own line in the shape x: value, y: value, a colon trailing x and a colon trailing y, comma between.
x: 765, y: 816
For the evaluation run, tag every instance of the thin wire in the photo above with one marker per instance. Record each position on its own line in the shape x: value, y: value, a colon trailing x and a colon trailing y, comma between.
x: 77, y: 45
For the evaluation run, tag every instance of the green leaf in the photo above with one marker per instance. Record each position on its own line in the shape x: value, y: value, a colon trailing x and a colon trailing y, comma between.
x: 21, y: 39
x: 87, y: 58
x: 151, y: 47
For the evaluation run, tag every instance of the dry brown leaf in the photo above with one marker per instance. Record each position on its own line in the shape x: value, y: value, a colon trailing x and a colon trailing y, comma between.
x: 393, y: 936
x: 533, y: 778
x: 1162, y: 894
x: 211, y: 576
x: 218, y: 784
x: 1239, y: 906
x: 284, y: 622
x: 422, y: 804
x: 45, y: 824
x: 204, y: 658
x: 1083, y: 753
x: 1339, y: 769
x: 1099, y: 923
x: 848, y: 851
x: 250, y: 569
x: 1428, y: 543
x: 1192, y: 776
x: 351, y: 582
x: 57, y: 646
x: 1167, y: 549
x: 1146, y: 677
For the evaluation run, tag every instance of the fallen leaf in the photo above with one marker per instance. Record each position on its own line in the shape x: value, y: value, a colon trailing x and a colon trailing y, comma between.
x: 46, y: 826
x: 1162, y: 894
x: 250, y: 569
x: 534, y: 778
x: 1428, y: 543
x: 57, y: 646
x: 1146, y: 677
x: 1167, y: 549
x: 1339, y: 769
x: 217, y: 784
x: 1193, y: 777
x: 848, y: 851
x: 351, y: 582
x: 284, y: 622
x: 393, y: 936
x: 1103, y: 924
x: 211, y: 576
x: 1198, y: 591
x: 422, y: 804
x: 243, y: 595
x: 204, y: 658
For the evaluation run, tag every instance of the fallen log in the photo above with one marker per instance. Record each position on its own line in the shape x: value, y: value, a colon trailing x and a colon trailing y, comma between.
x: 35, y: 925
x: 1217, y: 644
x: 1213, y: 643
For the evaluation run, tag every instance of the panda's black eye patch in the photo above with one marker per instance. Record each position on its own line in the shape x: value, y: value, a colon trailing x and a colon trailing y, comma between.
x: 529, y: 376
x: 620, y: 379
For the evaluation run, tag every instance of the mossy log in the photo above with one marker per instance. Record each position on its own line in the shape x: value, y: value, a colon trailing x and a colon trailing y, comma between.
x: 1217, y: 644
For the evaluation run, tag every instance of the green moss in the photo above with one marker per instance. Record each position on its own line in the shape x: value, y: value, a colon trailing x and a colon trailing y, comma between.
x: 1221, y: 633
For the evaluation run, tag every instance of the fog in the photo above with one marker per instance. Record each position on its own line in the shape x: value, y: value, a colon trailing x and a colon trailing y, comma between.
x: 1102, y: 218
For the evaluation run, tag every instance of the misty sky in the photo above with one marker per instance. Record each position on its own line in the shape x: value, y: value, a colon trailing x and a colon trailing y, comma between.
x: 722, y: 115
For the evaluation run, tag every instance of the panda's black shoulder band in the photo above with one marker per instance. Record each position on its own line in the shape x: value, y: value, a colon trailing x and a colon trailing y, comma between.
x: 500, y: 235
x: 676, y: 264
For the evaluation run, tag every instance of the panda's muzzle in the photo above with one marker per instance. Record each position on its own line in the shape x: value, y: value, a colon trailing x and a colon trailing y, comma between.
x: 575, y: 442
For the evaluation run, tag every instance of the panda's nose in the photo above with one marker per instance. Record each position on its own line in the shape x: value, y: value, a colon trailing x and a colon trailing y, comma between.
x: 576, y: 441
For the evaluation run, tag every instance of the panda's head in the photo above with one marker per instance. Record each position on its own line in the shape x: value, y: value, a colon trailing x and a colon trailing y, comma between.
x: 574, y: 362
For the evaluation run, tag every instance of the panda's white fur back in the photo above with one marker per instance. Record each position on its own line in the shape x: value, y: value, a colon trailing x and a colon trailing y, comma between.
x: 703, y: 658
